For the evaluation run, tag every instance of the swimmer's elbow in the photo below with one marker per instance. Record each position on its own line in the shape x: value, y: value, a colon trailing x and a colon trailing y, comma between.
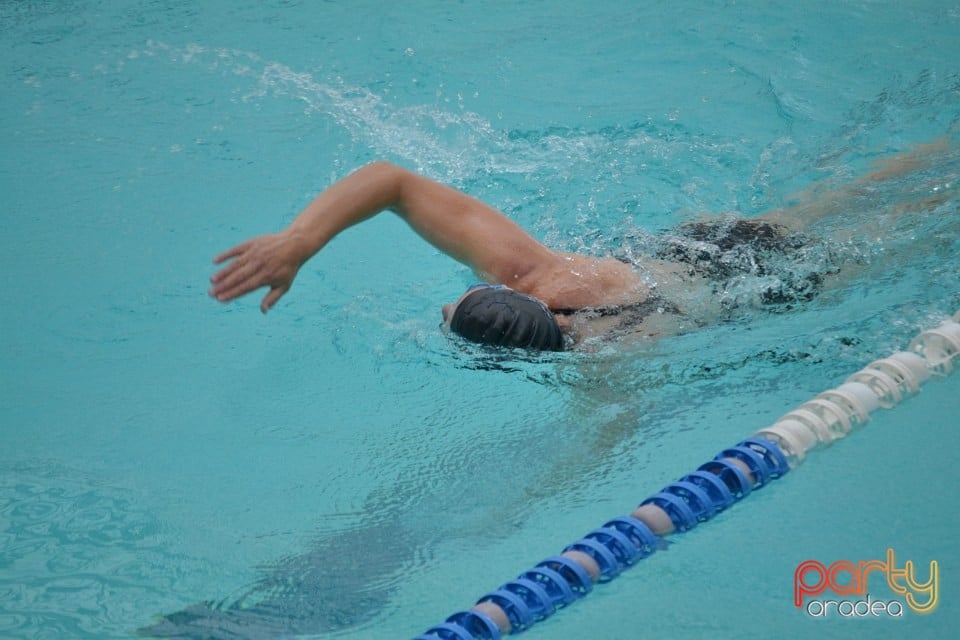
x: 389, y: 179
x: 381, y: 166
x: 386, y: 172
x: 377, y: 185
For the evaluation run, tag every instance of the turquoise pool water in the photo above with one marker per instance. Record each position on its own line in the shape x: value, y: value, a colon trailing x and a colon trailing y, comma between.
x: 340, y: 468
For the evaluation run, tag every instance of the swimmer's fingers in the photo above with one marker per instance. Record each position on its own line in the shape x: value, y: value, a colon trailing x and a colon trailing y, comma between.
x: 232, y: 252
x: 271, y: 298
x: 240, y: 277
x: 225, y: 273
x: 271, y: 260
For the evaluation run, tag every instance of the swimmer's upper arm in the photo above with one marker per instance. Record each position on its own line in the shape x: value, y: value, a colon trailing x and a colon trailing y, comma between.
x: 469, y: 230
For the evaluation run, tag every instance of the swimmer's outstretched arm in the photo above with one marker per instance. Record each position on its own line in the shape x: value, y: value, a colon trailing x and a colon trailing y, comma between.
x: 825, y: 200
x: 461, y: 226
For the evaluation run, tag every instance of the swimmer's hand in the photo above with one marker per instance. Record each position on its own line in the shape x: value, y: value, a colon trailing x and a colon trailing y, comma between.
x: 266, y: 261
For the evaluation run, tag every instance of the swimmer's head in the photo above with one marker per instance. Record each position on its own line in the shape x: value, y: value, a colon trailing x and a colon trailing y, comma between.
x: 499, y: 316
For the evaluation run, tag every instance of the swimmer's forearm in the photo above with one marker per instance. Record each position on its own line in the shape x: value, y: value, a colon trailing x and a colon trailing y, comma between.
x: 357, y: 197
x: 273, y: 260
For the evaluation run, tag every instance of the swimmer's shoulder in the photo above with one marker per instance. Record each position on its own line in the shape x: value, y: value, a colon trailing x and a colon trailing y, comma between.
x: 577, y: 281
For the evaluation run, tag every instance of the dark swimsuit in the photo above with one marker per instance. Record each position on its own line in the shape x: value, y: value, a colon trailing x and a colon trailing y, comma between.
x: 629, y: 316
x: 721, y: 250
x: 729, y: 247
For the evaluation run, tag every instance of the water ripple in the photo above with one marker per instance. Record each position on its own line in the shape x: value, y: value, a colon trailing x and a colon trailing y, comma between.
x: 76, y: 555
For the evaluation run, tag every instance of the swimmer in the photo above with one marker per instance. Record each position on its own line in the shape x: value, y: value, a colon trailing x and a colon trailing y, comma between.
x: 531, y: 296
x: 532, y: 281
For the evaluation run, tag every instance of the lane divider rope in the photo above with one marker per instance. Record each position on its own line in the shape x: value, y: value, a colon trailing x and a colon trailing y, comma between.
x: 769, y: 454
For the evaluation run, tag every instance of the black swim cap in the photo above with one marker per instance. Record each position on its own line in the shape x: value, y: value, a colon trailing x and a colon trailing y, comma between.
x: 506, y: 318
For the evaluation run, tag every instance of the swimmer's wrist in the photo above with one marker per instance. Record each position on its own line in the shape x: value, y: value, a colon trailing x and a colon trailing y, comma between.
x: 302, y: 247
